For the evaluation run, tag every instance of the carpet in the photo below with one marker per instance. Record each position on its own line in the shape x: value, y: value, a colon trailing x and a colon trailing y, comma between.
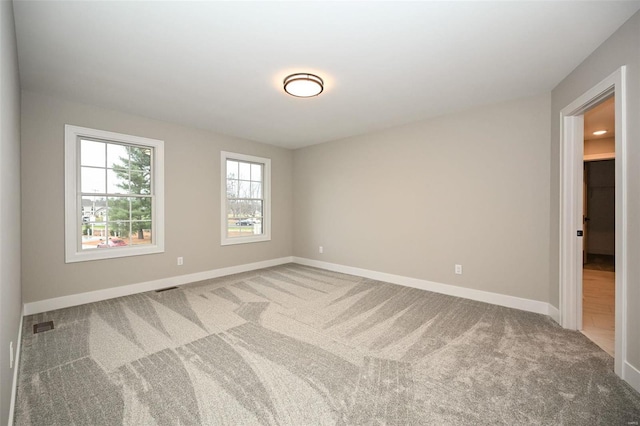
x: 295, y: 345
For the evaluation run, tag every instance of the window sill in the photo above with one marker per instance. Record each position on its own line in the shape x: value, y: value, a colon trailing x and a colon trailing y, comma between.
x: 244, y: 240
x: 112, y: 253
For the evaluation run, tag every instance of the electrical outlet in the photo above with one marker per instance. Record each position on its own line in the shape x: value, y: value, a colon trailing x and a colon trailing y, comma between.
x: 320, y: 249
x: 458, y: 269
x: 10, y: 355
x: 180, y: 261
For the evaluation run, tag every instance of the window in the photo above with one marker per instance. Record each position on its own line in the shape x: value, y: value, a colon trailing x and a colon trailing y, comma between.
x: 114, y: 201
x: 246, y: 214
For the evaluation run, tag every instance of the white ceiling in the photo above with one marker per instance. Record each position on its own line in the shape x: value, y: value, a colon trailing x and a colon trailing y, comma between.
x: 220, y: 65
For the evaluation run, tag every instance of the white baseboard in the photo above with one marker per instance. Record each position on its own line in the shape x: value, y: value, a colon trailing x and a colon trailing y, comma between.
x: 16, y: 367
x: 467, y: 293
x: 631, y: 375
x: 110, y: 293
x: 554, y: 313
x: 451, y: 290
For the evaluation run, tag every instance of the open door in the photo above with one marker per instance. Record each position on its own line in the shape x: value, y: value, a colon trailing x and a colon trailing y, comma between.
x: 571, y: 209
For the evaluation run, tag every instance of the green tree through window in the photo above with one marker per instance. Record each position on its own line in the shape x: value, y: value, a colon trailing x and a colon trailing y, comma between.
x: 114, y: 194
x: 133, y: 213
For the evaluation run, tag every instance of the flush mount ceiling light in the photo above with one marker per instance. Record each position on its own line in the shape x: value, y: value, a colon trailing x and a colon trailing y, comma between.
x: 599, y: 132
x: 303, y: 85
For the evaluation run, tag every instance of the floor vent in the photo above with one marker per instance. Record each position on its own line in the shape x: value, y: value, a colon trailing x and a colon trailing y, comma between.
x: 43, y: 326
x: 165, y: 289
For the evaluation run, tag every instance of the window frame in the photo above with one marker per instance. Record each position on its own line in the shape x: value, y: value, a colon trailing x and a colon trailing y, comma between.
x: 73, y: 195
x: 266, y: 197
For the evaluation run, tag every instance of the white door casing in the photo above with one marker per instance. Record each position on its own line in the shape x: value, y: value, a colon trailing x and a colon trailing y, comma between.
x: 571, y: 208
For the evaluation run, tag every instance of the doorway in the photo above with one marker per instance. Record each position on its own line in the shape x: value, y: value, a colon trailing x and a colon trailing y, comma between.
x: 572, y: 198
x: 598, y: 274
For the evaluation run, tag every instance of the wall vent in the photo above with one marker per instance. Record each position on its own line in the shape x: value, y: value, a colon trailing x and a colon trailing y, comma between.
x: 43, y: 326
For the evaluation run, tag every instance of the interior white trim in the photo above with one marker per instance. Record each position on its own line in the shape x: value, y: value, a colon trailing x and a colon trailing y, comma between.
x: 554, y: 313
x: 451, y: 290
x: 266, y: 199
x: 571, y: 161
x: 73, y: 197
x: 125, y: 290
x: 467, y: 293
x: 631, y: 375
x: 16, y: 367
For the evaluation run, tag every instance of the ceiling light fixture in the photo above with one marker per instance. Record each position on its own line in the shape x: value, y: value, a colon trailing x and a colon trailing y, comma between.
x: 303, y: 85
x: 600, y: 132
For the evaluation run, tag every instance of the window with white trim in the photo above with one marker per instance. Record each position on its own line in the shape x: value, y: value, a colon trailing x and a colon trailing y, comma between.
x: 114, y: 195
x: 246, y: 213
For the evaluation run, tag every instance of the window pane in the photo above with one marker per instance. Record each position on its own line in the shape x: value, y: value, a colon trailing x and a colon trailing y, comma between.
x: 92, y: 153
x: 117, y: 156
x: 92, y: 233
x: 245, y: 171
x: 232, y: 169
x: 118, y: 209
x: 92, y: 227
x: 244, y: 218
x: 117, y: 181
x: 257, y: 208
x: 245, y: 189
x: 239, y: 209
x: 233, y: 210
x: 93, y: 209
x: 117, y: 235
x: 256, y: 172
x: 88, y: 241
x: 257, y: 217
x: 232, y: 188
x: 256, y: 190
x: 141, y: 233
x: 140, y: 158
x: 140, y: 183
x: 86, y: 209
x: 240, y: 227
x: 141, y: 208
x: 257, y: 228
x: 92, y: 180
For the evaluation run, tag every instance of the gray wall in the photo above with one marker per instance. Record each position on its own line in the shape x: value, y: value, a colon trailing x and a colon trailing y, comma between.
x: 622, y: 48
x: 469, y: 188
x: 192, y: 201
x: 10, y: 291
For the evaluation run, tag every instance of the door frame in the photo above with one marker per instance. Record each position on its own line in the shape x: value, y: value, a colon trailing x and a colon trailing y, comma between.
x: 571, y: 170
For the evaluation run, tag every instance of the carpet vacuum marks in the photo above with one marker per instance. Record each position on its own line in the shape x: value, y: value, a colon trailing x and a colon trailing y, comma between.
x: 295, y: 345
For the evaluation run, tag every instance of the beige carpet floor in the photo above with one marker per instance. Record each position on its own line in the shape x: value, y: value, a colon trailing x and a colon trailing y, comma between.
x: 294, y: 345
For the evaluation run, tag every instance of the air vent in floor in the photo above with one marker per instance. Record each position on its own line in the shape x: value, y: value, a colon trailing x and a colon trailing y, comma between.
x: 43, y: 326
